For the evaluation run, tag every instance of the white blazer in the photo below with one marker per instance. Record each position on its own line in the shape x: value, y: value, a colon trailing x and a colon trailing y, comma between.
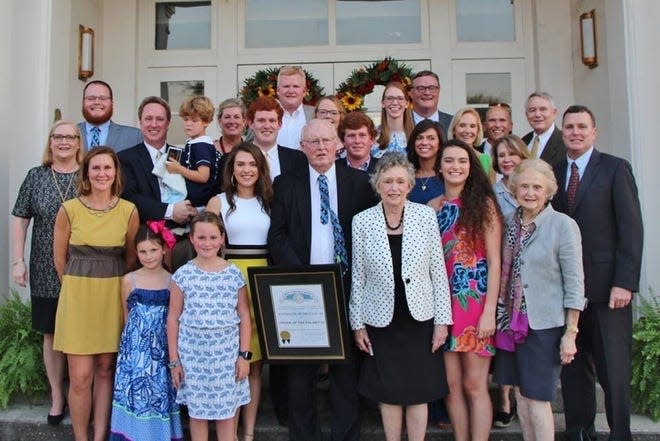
x: 422, y: 268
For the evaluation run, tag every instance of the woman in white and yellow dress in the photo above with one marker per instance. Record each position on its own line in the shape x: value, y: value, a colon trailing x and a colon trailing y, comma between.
x: 245, y: 209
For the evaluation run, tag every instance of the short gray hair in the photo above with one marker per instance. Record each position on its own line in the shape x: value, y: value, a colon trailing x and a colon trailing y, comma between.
x: 544, y: 95
x: 390, y: 160
x: 539, y: 166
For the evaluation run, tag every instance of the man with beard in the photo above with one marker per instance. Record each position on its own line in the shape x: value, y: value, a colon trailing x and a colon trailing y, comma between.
x: 98, y: 129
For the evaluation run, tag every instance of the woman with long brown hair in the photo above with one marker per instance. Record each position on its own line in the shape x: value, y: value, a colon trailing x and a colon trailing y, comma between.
x: 396, y: 123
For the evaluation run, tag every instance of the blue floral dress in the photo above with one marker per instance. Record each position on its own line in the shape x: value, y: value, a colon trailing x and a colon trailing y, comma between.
x: 467, y: 271
x: 143, y: 402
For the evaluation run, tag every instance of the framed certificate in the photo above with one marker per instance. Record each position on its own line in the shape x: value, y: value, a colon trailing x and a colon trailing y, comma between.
x: 300, y: 313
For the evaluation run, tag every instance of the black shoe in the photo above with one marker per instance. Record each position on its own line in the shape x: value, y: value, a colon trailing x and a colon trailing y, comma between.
x: 54, y: 420
x: 503, y: 419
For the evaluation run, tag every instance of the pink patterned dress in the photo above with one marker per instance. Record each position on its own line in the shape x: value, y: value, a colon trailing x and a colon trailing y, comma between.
x: 467, y: 272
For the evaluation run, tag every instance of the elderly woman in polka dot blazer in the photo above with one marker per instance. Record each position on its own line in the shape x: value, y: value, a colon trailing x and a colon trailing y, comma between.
x: 400, y: 305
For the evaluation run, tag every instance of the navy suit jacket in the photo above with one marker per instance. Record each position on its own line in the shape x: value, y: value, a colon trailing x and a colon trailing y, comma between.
x: 554, y: 150
x: 290, y: 234
x: 608, y: 213
x: 119, y: 137
x: 140, y: 185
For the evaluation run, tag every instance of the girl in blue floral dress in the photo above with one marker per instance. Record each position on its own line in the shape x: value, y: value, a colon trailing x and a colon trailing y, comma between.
x: 143, y: 402
x: 208, y: 330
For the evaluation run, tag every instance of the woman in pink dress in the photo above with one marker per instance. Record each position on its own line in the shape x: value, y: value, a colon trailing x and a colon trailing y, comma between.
x: 471, y: 229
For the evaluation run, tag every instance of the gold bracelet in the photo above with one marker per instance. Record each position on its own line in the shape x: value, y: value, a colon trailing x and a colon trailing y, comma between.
x: 573, y: 329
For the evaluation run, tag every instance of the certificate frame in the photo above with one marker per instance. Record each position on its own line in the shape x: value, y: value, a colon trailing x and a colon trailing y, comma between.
x: 300, y: 313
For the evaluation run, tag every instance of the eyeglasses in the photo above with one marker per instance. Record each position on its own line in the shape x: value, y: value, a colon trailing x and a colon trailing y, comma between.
x: 504, y: 105
x: 322, y: 112
x: 391, y: 99
x: 91, y: 98
x: 316, y: 143
x: 422, y: 89
x: 67, y: 138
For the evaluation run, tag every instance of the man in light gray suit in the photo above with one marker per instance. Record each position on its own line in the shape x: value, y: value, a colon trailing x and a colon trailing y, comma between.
x: 97, y: 128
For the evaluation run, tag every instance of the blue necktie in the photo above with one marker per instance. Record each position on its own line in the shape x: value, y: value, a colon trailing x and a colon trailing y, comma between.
x: 96, y: 137
x: 341, y: 256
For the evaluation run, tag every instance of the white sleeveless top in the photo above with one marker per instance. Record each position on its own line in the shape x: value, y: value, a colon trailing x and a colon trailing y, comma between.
x: 246, y: 225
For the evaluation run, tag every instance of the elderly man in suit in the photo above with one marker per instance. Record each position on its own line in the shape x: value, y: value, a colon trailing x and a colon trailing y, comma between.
x: 291, y: 89
x: 599, y: 191
x: 98, y: 128
x: 142, y: 187
x: 545, y: 140
x: 425, y: 95
x: 357, y: 132
x: 311, y: 218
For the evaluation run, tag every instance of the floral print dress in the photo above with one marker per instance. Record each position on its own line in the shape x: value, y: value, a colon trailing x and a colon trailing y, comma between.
x: 467, y: 272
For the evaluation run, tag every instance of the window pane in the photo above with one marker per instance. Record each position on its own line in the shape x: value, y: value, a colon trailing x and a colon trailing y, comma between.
x: 286, y: 23
x: 485, y: 88
x: 174, y: 92
x: 378, y: 22
x: 485, y: 20
x: 183, y: 25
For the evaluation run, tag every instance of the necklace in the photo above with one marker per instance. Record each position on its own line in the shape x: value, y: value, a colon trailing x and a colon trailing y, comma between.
x: 101, y: 212
x: 425, y: 181
x: 390, y: 227
x: 57, y: 185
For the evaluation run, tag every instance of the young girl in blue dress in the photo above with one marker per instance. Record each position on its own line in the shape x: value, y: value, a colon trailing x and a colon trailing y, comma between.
x: 208, y: 330
x: 143, y: 403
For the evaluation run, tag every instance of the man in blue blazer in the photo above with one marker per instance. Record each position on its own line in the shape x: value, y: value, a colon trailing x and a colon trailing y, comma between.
x: 599, y: 191
x: 98, y: 128
x: 297, y: 236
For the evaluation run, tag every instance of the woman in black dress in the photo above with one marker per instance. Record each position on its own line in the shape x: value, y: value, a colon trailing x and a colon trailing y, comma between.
x: 399, y: 306
x: 42, y: 192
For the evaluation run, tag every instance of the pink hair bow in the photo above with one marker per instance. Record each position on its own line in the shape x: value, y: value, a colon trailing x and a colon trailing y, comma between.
x: 159, y: 227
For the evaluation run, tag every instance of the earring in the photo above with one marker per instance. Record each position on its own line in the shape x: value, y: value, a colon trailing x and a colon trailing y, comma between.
x: 233, y: 180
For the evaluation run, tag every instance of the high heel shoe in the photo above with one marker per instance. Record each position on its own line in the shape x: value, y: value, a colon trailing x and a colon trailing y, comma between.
x: 54, y: 420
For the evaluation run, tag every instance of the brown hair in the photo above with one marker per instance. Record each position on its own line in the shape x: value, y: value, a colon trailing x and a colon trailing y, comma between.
x: 354, y: 121
x: 336, y: 102
x: 263, y: 188
x: 84, y: 188
x: 197, y: 106
x: 408, y: 124
x: 267, y: 104
x: 209, y: 218
x: 47, y: 157
x: 513, y: 144
x: 155, y: 100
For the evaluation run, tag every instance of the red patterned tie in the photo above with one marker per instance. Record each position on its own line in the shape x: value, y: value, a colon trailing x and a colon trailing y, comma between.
x: 573, y: 184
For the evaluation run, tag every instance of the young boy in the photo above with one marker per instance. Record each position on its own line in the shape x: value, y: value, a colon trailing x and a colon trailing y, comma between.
x: 197, y: 159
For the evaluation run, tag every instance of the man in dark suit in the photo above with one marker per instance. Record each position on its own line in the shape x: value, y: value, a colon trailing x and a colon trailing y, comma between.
x: 142, y: 187
x: 425, y: 95
x: 545, y: 140
x: 357, y: 132
x: 300, y: 234
x: 98, y: 128
x: 599, y: 191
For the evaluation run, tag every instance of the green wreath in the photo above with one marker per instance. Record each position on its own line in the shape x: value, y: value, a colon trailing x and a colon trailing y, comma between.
x: 362, y: 81
x: 264, y: 83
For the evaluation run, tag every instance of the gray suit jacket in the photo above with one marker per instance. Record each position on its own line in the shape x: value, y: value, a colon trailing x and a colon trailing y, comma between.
x: 551, y: 272
x: 119, y: 137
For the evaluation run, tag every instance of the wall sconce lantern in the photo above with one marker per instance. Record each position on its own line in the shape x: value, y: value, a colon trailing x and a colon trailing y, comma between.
x: 85, y: 52
x: 588, y: 39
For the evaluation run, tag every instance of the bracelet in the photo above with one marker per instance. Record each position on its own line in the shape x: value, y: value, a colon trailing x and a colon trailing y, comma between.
x: 174, y: 363
x: 17, y: 261
x: 573, y: 329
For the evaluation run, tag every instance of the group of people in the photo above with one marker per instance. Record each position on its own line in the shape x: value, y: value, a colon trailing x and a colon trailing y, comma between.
x: 463, y: 250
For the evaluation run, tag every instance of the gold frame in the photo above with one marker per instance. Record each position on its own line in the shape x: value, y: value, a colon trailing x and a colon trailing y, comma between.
x: 85, y: 52
x: 588, y: 39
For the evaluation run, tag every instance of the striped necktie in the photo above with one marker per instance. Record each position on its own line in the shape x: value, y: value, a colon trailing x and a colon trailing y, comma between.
x: 341, y: 256
x: 96, y: 137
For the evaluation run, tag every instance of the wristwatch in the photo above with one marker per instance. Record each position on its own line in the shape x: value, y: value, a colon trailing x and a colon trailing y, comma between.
x: 245, y: 354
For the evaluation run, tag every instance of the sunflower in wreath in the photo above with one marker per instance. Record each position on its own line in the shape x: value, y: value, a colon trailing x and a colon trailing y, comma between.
x: 362, y: 81
x: 264, y: 83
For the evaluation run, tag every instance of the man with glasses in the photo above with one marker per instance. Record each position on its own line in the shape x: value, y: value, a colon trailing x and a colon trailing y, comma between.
x: 498, y: 124
x: 425, y: 95
x: 98, y: 129
x: 291, y: 89
x: 545, y: 140
x: 311, y: 216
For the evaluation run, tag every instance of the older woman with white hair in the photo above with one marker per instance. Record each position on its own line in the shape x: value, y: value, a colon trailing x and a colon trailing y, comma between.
x: 541, y: 296
x: 399, y: 305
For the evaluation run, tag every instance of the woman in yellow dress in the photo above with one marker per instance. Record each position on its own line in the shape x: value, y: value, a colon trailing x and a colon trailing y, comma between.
x: 245, y: 209
x: 91, y: 257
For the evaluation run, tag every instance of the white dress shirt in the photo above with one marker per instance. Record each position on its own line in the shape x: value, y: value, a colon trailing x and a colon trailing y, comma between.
x: 543, y: 140
x: 322, y: 249
x: 153, y: 151
x: 292, y: 125
x: 581, y: 163
x: 273, y: 162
